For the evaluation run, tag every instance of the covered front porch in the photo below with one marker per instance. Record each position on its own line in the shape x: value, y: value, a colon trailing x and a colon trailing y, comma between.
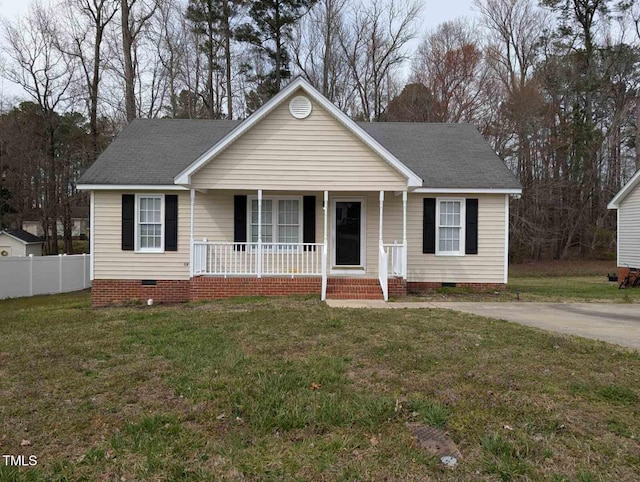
x: 327, y: 236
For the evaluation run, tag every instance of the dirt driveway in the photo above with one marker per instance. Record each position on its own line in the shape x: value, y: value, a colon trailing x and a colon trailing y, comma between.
x: 614, y: 323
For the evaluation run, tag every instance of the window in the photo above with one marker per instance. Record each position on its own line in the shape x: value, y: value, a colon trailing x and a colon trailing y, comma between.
x: 450, y: 219
x: 267, y: 221
x: 281, y: 220
x: 149, y: 225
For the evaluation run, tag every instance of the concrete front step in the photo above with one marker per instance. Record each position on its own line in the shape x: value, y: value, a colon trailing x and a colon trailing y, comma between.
x: 354, y: 289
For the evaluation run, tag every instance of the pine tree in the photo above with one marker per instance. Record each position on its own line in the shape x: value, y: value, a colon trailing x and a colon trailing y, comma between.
x: 270, y: 34
x: 213, y: 20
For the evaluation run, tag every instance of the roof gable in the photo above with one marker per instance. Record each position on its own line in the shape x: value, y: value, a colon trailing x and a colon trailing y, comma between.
x: 282, y: 153
x: 625, y: 191
x: 184, y: 177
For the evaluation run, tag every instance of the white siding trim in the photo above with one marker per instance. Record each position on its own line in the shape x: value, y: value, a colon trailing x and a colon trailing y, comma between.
x: 136, y: 226
x: 455, y: 190
x: 131, y: 187
x: 463, y: 226
x: 506, y: 239
x: 185, y: 176
x: 618, y: 237
x: 624, y: 192
x: 92, y: 224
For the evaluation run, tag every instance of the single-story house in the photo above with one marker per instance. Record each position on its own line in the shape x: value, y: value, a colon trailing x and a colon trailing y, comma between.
x: 16, y: 242
x: 627, y: 204
x: 79, y: 223
x: 296, y: 199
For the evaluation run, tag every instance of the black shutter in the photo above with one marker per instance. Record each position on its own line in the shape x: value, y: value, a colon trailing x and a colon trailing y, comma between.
x: 429, y: 226
x: 128, y: 219
x: 240, y: 219
x: 309, y: 220
x: 171, y: 222
x: 471, y: 228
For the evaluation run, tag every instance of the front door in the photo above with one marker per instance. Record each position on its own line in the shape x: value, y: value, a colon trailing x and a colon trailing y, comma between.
x: 348, y: 239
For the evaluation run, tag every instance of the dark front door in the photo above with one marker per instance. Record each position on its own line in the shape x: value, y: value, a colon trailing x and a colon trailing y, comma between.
x: 348, y: 233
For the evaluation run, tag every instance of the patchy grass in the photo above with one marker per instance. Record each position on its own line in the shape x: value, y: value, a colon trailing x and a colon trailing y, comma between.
x: 549, y: 281
x: 560, y: 268
x: 291, y: 389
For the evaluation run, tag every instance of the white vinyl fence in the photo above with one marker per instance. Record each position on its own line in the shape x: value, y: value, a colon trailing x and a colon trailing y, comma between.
x: 40, y: 275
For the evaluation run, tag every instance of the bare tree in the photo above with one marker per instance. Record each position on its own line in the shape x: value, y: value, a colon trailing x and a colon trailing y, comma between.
x: 134, y: 14
x: 375, y: 46
x: 317, y: 52
x: 514, y: 29
x: 82, y: 37
x: 46, y: 75
x: 449, y: 62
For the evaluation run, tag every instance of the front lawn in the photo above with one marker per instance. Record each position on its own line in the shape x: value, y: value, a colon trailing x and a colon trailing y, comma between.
x: 549, y: 281
x: 291, y: 389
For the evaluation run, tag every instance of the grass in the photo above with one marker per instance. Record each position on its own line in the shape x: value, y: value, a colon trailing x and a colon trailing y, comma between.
x: 293, y: 390
x: 551, y: 281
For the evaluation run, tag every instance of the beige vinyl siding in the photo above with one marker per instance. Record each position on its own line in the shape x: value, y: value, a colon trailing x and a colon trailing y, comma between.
x: 214, y: 219
x: 629, y: 230
x: 111, y: 262
x: 485, y: 267
x: 313, y: 154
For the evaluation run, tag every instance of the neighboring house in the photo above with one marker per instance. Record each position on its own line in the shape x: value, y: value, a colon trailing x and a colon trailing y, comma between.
x: 79, y: 224
x: 296, y: 199
x: 627, y: 203
x: 16, y: 242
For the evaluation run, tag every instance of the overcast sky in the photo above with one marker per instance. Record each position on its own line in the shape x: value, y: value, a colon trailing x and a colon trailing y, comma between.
x: 433, y: 13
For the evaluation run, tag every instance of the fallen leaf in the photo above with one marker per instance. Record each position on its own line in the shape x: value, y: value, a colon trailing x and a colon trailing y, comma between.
x: 315, y: 386
x: 221, y: 416
x: 373, y: 440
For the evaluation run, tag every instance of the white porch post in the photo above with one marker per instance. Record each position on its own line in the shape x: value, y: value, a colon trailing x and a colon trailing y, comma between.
x: 191, y: 235
x: 404, y: 235
x: 325, y: 247
x: 381, y: 214
x: 259, y: 258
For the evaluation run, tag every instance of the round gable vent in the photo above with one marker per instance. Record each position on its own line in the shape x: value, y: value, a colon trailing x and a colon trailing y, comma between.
x: 300, y: 107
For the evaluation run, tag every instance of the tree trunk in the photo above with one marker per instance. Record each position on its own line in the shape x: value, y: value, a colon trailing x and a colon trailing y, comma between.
x: 227, y: 55
x: 93, y: 91
x: 129, y: 73
x: 278, y: 53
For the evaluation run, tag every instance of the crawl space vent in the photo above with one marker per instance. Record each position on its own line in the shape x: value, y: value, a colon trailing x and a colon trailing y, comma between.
x: 300, y: 107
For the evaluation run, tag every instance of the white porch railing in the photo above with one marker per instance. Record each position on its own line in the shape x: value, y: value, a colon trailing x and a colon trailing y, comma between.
x: 383, y: 272
x: 395, y: 256
x: 257, y: 259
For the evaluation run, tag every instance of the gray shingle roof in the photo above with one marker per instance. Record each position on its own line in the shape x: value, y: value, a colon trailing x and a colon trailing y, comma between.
x: 443, y: 155
x: 155, y: 151
x: 22, y: 235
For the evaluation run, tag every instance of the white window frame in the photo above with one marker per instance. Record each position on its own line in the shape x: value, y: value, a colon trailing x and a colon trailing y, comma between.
x: 463, y: 222
x: 275, y: 200
x: 138, y: 249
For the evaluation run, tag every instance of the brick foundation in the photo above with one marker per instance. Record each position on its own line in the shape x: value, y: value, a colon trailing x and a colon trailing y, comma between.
x: 397, y: 288
x: 211, y: 288
x: 622, y: 273
x: 108, y: 291
x: 423, y: 286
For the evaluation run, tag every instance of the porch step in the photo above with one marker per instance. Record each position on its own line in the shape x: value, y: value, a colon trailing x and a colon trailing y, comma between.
x: 353, y: 289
